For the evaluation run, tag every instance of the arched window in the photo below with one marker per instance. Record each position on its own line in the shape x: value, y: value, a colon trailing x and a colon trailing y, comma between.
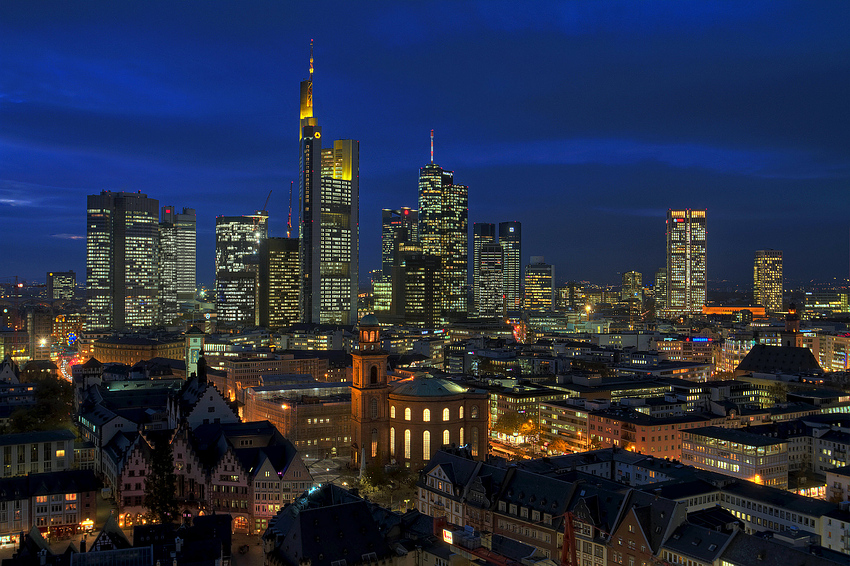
x: 473, y: 441
x: 392, y: 411
x: 460, y: 412
x: 473, y: 412
x: 446, y: 437
x: 426, y: 415
x: 407, y: 444
x: 426, y: 445
x: 407, y: 414
x: 373, y: 375
x: 392, y: 441
x: 461, y: 436
x: 446, y: 414
x: 373, y: 408
x: 374, y: 442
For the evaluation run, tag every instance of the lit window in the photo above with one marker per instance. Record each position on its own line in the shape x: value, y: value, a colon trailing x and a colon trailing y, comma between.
x: 60, y: 453
x: 407, y: 444
x: 407, y: 414
x: 446, y: 414
x: 446, y: 436
x: 426, y: 415
x: 392, y: 411
x: 426, y: 445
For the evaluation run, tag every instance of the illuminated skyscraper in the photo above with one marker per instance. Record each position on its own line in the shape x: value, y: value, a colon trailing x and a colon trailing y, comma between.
x: 482, y: 233
x: 237, y: 246
x: 391, y: 222
x: 443, y: 211
x: 768, y: 281
x: 489, y: 293
x: 177, y: 260
x: 686, y: 275
x: 279, y: 282
x: 632, y: 287
x: 539, y: 285
x: 329, y: 223
x: 122, y: 260
x: 510, y: 237
x: 661, y: 289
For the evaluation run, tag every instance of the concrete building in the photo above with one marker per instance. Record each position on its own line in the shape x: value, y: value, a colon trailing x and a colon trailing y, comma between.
x: 237, y: 247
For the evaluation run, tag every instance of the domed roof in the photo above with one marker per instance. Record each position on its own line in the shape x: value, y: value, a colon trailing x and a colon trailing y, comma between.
x: 369, y: 320
x: 425, y: 385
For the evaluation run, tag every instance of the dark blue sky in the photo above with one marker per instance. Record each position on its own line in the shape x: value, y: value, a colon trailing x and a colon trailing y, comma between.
x: 586, y: 121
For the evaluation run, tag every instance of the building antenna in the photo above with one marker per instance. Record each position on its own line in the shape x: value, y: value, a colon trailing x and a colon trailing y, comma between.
x: 311, y: 60
x: 432, y: 145
x: 289, y: 222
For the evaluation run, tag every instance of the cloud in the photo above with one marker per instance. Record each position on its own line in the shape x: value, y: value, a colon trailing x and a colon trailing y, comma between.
x: 68, y: 236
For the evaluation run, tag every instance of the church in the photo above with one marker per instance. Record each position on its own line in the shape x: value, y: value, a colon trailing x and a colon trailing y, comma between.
x: 405, y: 422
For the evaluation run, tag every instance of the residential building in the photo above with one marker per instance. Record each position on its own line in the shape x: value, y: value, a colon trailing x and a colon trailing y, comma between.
x: 122, y: 261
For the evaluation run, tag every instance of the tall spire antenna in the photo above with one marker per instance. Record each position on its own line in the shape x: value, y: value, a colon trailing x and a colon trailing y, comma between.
x: 311, y: 60
x: 432, y: 145
x: 289, y: 222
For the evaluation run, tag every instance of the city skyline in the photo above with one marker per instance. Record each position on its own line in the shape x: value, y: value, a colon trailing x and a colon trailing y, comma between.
x: 567, y: 118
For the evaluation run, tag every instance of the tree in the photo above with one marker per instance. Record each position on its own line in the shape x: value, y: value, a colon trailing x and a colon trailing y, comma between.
x: 560, y: 446
x: 509, y: 423
x: 54, y: 401
x: 161, y: 483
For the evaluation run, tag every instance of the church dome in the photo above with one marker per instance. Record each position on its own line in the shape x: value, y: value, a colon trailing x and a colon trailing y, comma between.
x: 425, y: 385
x: 369, y: 320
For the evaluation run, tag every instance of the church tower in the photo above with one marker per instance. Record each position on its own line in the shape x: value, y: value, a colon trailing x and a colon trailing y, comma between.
x: 369, y: 392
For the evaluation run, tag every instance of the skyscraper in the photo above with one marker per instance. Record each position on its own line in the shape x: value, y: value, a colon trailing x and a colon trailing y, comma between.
x: 510, y: 237
x: 539, y: 285
x: 339, y: 236
x: 489, y: 292
x: 391, y: 222
x: 122, y: 260
x: 660, y: 289
x: 686, y: 274
x: 482, y: 233
x: 329, y: 223
x: 443, y: 212
x: 177, y: 260
x: 279, y: 281
x: 768, y: 281
x: 632, y: 287
x: 237, y: 246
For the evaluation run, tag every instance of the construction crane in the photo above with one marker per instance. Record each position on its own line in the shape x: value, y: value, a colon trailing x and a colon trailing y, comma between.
x: 289, y: 222
x: 261, y: 212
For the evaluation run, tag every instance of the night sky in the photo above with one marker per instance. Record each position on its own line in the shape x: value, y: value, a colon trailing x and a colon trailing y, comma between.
x: 585, y: 121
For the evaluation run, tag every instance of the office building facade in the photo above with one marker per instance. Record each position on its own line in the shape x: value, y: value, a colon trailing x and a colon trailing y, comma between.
x: 443, y: 232
x: 489, y: 292
x: 482, y: 233
x: 61, y: 285
x: 510, y: 237
x: 686, y: 261
x: 768, y: 281
x: 122, y: 259
x: 392, y: 221
x: 177, y: 260
x: 237, y: 246
x: 539, y: 285
x: 279, y: 282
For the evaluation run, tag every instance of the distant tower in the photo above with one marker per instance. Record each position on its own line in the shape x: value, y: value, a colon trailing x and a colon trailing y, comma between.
x: 539, y: 285
x: 686, y: 270
x: 122, y: 261
x: 369, y: 394
x: 482, y: 233
x: 443, y: 232
x: 489, y: 291
x: 510, y: 238
x: 61, y: 285
x: 767, y: 280
x: 309, y: 184
x: 391, y: 222
x: 792, y: 337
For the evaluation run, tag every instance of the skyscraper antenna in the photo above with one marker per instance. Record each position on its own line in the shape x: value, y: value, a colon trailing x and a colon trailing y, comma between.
x: 432, y: 145
x: 289, y: 222
x: 311, y: 60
